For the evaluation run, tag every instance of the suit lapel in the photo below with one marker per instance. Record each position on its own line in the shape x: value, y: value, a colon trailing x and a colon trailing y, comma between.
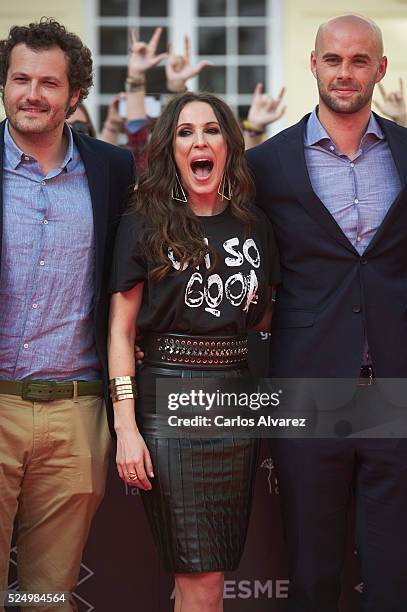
x: 398, y: 148
x: 397, y: 144
x: 293, y: 162
x: 97, y: 172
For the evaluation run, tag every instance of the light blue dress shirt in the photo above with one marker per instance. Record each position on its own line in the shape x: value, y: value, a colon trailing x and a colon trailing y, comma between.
x: 47, y: 269
x: 358, y: 192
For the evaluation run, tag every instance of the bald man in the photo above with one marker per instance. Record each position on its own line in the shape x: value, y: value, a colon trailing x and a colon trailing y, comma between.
x: 334, y: 188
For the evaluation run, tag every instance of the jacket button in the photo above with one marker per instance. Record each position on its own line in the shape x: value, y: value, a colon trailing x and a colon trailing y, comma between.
x: 356, y: 308
x: 363, y: 260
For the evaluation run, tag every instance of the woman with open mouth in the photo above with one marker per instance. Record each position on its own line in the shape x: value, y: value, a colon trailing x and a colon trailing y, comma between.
x: 193, y: 267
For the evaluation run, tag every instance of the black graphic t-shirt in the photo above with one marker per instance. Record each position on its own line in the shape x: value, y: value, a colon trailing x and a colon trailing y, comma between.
x: 229, y: 299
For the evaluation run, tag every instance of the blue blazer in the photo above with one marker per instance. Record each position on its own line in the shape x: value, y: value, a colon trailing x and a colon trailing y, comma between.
x: 329, y: 293
x: 111, y: 176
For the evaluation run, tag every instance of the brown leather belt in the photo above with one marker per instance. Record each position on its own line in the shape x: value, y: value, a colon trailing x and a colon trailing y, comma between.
x: 49, y: 390
x: 197, y: 352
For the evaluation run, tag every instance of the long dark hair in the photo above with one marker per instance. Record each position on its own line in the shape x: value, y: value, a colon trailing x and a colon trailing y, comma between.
x: 174, y: 226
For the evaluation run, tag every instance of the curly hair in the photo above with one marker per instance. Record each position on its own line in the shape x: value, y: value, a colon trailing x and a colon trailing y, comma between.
x: 174, y: 226
x: 45, y: 34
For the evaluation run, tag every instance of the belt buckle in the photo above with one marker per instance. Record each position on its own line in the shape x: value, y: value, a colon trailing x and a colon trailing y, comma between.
x: 366, y: 381
x: 38, y: 390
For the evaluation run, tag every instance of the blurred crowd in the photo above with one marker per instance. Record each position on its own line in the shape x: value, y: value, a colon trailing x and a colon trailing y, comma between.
x: 128, y: 112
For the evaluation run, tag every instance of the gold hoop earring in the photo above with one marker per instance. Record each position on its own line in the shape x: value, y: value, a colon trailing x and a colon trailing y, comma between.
x: 225, y: 187
x: 177, y: 192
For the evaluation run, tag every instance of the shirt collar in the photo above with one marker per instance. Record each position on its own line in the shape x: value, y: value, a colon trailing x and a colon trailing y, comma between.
x: 69, y: 151
x: 315, y: 133
x: 13, y: 152
x: 15, y: 155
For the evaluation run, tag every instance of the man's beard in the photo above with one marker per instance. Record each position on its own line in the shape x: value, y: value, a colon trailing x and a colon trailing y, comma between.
x: 43, y: 124
x: 344, y: 106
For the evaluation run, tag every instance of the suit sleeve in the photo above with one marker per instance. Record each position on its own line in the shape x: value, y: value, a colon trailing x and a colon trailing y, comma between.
x: 274, y: 257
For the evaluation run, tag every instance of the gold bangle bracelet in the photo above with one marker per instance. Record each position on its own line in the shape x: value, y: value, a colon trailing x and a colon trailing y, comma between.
x: 129, y: 88
x: 132, y: 85
x: 118, y: 380
x: 122, y: 387
x: 119, y: 398
x: 248, y: 127
x: 135, y: 81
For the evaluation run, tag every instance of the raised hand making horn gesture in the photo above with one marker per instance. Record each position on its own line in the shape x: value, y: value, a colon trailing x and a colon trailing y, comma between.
x: 393, y: 104
x: 263, y: 110
x: 143, y: 56
x: 179, y: 68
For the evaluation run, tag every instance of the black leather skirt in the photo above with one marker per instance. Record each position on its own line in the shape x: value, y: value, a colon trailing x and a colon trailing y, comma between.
x: 200, y: 503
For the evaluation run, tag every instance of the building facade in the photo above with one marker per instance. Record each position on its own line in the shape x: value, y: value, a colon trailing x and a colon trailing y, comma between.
x: 246, y: 40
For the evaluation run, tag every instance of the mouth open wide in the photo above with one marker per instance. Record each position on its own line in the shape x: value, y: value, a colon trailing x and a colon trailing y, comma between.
x: 202, y: 168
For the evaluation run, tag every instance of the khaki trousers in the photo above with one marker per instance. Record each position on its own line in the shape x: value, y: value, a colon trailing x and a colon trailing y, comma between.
x: 53, y: 465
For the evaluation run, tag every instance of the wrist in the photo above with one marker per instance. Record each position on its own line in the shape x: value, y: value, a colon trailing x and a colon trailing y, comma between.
x: 134, y: 87
x: 135, y: 81
x: 253, y: 127
x: 113, y: 122
x: 122, y: 388
x: 136, y: 75
x: 177, y: 86
x: 122, y: 427
x: 112, y: 126
x: 400, y: 119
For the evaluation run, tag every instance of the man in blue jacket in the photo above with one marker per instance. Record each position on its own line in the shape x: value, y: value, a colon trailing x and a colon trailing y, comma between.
x: 334, y: 188
x: 60, y: 199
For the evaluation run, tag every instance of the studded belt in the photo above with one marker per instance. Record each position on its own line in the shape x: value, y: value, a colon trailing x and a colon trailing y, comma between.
x: 197, y: 352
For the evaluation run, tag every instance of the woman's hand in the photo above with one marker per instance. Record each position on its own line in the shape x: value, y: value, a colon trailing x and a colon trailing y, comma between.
x: 133, y: 457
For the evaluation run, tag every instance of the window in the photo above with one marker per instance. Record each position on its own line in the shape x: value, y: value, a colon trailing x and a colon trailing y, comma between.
x: 239, y: 37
